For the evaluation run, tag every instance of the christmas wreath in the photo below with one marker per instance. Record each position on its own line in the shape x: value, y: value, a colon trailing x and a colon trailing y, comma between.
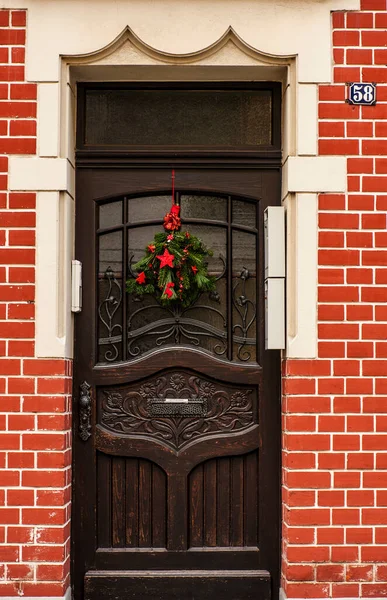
x: 174, y: 267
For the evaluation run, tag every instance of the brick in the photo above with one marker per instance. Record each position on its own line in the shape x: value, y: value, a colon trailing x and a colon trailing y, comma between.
x: 330, y: 312
x: 21, y: 385
x: 330, y: 535
x: 359, y: 386
x: 374, y: 294
x: 300, y: 423
x: 309, y: 516
x: 43, y: 553
x: 359, y: 423
x: 300, y: 572
x: 375, y: 442
x: 21, y: 422
x: 43, y: 441
x: 4, y: 18
x: 302, y: 442
x: 337, y: 147
x: 21, y: 237
x: 301, y: 460
x: 359, y: 239
x: 12, y: 37
x: 346, y: 367
x: 338, y: 294
x: 345, y: 590
x: 359, y: 313
x: 23, y: 91
x: 20, y: 497
x: 358, y: 572
x: 360, y: 165
x: 359, y: 57
x: 346, y: 480
x: 22, y: 128
x: 360, y: 498
x: 44, y: 367
x: 331, y: 129
x: 331, y: 202
x: 18, y: 18
x: 306, y: 404
x: 374, y: 74
x: 381, y: 350
x: 331, y: 460
x: 21, y: 348
x: 358, y: 20
x: 44, y: 479
x: 308, y: 479
x: 339, y: 257
x: 18, y: 55
x: 331, y: 239
x: 338, y: 221
x: 331, y: 498
x: 346, y: 442
x: 18, y: 145
x: 330, y: 110
x: 381, y: 240
x: 359, y: 276
x: 332, y: 93
x: 374, y: 38
x: 338, y: 331
x: 22, y: 200
x: 338, y: 21
x: 347, y: 553
x: 372, y: 331
x: 378, y: 111
x: 14, y: 256
x: 346, y: 38
x: 331, y: 349
x: 43, y: 516
x: 20, y: 535
x: 330, y: 573
x: 331, y: 386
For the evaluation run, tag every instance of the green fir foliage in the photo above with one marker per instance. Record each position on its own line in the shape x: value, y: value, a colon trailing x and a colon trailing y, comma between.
x: 183, y: 282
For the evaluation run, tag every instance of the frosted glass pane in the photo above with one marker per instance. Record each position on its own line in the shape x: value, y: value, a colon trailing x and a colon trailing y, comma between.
x: 226, y: 118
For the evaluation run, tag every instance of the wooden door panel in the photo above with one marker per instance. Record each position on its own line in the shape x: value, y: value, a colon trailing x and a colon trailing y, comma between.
x: 131, y: 504
x: 176, y: 449
x: 223, y: 502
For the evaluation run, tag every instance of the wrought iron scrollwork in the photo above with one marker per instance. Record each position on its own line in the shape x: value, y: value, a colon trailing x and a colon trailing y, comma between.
x: 106, y: 312
x: 247, y: 311
x: 178, y: 326
x: 85, y: 412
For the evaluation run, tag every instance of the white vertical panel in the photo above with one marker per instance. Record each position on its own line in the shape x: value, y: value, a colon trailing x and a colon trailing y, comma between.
x: 307, y: 122
x: 48, y: 119
x: 302, y: 276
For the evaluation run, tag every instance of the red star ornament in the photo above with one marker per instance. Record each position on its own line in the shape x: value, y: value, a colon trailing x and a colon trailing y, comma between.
x: 141, y: 278
x: 166, y: 259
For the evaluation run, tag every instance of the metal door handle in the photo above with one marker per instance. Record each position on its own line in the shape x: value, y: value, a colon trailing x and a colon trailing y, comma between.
x: 85, y: 411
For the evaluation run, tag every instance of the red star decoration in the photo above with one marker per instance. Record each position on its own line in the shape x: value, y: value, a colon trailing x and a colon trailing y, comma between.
x: 141, y: 278
x: 194, y: 269
x: 166, y: 259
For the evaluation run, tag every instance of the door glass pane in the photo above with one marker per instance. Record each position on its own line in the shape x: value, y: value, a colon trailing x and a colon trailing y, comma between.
x: 244, y: 296
x: 201, y: 325
x: 110, y: 291
x: 110, y: 214
x: 148, y: 208
x: 244, y: 213
x: 211, y: 208
x: 224, y: 118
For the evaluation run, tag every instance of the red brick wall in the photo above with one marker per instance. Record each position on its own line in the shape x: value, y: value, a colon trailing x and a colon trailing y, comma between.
x: 34, y: 394
x: 335, y: 408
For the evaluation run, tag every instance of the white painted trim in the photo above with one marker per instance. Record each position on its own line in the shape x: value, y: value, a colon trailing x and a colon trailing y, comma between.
x: 67, y: 596
x: 48, y: 119
x: 40, y: 174
x: 74, y: 56
x: 315, y: 174
x: 302, y: 276
x: 307, y: 119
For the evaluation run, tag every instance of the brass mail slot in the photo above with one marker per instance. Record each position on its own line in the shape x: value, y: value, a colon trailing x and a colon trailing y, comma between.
x: 177, y: 407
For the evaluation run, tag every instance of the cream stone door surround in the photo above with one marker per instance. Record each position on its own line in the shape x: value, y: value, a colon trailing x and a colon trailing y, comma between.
x: 294, y: 41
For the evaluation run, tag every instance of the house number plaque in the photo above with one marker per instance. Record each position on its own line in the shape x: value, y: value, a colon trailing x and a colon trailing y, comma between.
x: 362, y: 94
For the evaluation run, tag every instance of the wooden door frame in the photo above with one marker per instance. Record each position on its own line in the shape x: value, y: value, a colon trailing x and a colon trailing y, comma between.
x: 116, y: 159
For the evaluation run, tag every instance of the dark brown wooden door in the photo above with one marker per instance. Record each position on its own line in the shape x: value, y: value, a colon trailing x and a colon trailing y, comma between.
x: 176, y: 412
